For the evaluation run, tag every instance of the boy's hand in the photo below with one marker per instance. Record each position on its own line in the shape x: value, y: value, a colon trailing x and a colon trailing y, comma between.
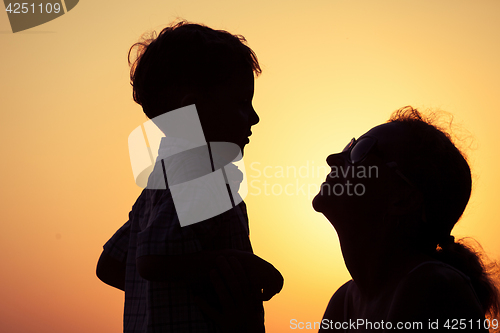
x: 242, y: 311
x: 263, y: 277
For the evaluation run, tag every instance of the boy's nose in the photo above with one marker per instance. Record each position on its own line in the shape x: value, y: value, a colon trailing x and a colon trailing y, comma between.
x: 253, y: 117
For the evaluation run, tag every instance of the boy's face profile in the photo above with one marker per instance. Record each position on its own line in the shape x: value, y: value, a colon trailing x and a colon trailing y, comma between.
x: 226, y: 111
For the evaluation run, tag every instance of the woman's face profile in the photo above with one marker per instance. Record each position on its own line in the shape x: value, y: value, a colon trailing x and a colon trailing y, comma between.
x: 360, y: 183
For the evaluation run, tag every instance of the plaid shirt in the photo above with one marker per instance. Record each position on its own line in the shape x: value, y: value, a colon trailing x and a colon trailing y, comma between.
x: 153, y: 229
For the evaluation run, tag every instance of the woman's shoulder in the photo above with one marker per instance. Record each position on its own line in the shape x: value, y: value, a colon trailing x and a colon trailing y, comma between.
x: 434, y: 289
x: 435, y: 271
x: 335, y: 309
x: 436, y: 276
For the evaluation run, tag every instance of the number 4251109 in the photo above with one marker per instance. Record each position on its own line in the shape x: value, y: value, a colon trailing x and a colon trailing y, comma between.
x: 24, y: 8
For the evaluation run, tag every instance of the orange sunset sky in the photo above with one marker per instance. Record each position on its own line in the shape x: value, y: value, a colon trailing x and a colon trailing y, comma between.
x: 332, y: 69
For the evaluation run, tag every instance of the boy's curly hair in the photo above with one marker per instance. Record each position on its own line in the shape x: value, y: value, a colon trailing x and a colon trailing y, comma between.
x: 185, y: 56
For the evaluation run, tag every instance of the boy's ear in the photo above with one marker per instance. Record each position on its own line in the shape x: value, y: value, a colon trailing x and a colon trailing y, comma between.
x: 406, y: 202
x: 188, y: 99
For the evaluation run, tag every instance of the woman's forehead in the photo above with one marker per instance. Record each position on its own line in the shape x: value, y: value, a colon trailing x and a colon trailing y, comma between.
x: 387, y: 132
x: 390, y: 136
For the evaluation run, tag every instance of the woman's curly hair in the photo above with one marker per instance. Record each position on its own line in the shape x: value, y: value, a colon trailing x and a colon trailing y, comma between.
x: 440, y: 171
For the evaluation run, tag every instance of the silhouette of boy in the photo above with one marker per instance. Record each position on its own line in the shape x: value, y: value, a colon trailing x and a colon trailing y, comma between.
x: 164, y: 268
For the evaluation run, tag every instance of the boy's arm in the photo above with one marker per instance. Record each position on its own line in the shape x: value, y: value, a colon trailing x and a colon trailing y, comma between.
x: 111, y: 265
x: 195, y: 266
x: 111, y: 271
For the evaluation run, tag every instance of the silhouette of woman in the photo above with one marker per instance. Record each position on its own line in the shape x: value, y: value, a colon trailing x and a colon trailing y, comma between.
x: 394, y: 196
x: 407, y: 271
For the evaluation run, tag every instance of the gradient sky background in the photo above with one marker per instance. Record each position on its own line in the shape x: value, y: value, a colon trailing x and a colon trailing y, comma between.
x: 331, y: 71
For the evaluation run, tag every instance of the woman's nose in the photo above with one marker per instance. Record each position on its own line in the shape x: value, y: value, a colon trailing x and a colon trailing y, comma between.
x: 337, y: 159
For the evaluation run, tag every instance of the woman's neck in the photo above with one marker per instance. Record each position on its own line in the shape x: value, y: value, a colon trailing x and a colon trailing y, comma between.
x: 377, y: 263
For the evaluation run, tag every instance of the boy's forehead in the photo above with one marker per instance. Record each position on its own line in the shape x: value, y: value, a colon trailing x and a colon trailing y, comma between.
x: 242, y: 81
x: 243, y: 76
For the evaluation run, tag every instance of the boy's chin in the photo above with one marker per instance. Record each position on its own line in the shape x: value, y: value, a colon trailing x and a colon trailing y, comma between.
x: 242, y: 148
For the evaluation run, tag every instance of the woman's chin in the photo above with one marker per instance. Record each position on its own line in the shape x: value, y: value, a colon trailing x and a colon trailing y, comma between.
x: 322, y: 199
x: 318, y: 203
